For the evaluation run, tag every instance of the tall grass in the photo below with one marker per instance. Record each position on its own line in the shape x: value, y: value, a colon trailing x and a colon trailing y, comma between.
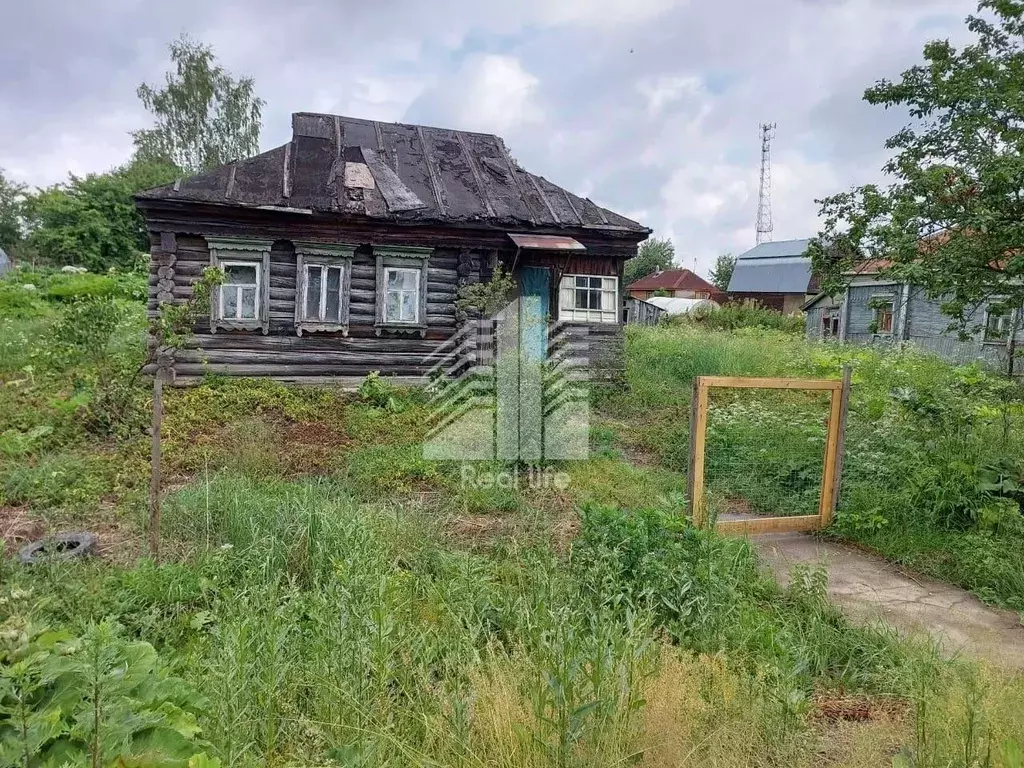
x: 934, y: 461
x: 321, y: 629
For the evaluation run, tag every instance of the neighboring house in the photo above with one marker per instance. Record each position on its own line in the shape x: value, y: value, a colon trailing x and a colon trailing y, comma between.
x: 876, y: 309
x: 343, y: 250
x: 674, y: 283
x: 5, y: 262
x: 776, y: 275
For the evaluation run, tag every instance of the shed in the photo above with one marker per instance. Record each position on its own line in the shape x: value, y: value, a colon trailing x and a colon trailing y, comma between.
x: 344, y: 249
x: 777, y: 275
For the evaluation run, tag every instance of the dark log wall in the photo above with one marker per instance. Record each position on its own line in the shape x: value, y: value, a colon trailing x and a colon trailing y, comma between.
x: 181, y: 255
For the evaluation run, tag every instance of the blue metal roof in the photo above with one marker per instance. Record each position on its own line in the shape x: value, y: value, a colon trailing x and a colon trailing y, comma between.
x: 5, y: 263
x: 778, y: 267
x: 775, y: 250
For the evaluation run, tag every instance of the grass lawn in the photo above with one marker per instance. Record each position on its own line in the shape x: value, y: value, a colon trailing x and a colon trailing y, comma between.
x: 328, y: 597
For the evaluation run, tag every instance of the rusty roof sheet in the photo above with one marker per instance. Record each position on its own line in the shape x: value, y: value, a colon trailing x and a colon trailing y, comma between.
x: 546, y: 242
x: 395, y: 172
x: 673, y: 280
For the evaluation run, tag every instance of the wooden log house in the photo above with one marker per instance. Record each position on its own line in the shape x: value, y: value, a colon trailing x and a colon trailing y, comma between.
x: 344, y: 249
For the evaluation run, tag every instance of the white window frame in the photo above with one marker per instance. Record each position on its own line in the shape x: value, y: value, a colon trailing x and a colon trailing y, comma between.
x: 324, y: 256
x: 418, y: 272
x: 609, y: 291
x: 239, y: 287
x: 393, y: 258
x: 242, y: 253
x: 324, y: 290
x: 1008, y: 322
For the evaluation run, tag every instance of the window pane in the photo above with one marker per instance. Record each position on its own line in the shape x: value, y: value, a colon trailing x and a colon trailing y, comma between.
x: 333, y: 295
x: 595, y: 282
x: 581, y: 299
x: 581, y: 282
x: 248, y: 307
x: 228, y: 301
x: 313, y: 293
x: 402, y: 279
x: 392, y: 307
x: 240, y: 274
x: 408, y: 306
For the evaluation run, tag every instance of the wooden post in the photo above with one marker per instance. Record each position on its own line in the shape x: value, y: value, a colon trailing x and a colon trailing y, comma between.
x: 834, y: 448
x: 155, y: 478
x: 698, y: 439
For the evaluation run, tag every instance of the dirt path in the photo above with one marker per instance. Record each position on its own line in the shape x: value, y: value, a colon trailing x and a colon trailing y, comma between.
x: 869, y: 589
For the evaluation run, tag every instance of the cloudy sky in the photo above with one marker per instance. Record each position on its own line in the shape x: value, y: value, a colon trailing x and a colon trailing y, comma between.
x: 649, y: 107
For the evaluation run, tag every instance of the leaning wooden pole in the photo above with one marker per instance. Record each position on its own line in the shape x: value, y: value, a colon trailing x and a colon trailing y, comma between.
x: 155, y: 479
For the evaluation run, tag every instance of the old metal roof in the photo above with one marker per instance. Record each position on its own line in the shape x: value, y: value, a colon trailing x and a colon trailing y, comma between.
x: 546, y: 242
x: 777, y: 267
x: 395, y: 172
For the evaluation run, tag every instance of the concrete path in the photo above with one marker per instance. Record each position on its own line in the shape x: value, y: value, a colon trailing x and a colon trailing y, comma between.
x: 869, y: 589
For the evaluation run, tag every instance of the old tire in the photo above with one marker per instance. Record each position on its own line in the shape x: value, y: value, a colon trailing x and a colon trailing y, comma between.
x: 57, y: 548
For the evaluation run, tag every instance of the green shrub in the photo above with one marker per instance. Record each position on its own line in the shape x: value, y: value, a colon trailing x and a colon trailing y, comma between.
x: 20, y: 302
x: 733, y: 316
x: 97, y: 699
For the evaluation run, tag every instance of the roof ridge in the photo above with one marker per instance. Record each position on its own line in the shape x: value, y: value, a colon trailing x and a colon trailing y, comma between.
x: 368, y: 121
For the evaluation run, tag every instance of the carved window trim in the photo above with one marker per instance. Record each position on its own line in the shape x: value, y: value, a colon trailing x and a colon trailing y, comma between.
x: 310, y: 254
x: 242, y: 251
x: 401, y: 257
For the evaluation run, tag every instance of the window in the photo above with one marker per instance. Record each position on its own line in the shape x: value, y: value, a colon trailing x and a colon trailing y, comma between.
x: 589, y: 298
x: 830, y: 324
x: 702, y: 295
x: 402, y: 288
x: 401, y: 295
x: 883, y: 317
x: 998, y: 324
x: 240, y: 291
x: 322, y: 291
x: 240, y: 302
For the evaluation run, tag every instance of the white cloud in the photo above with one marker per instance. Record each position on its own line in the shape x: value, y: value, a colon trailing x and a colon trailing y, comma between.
x: 496, y: 94
x: 666, y: 89
x: 603, y: 13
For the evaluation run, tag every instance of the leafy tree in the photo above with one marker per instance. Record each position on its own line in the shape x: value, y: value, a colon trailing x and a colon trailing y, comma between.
x: 92, y: 220
x: 654, y: 254
x: 204, y: 117
x: 721, y: 274
x: 12, y: 194
x: 952, y: 220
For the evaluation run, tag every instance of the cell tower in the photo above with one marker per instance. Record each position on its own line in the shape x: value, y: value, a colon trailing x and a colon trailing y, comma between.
x: 764, y: 198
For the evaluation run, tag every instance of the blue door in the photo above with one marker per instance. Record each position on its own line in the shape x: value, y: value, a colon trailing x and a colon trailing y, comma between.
x: 534, y: 307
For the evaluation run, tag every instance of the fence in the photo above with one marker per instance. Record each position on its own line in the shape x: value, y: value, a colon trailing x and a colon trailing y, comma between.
x: 761, y: 459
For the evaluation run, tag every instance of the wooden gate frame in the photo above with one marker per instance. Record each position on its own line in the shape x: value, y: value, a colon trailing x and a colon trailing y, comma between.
x: 831, y: 474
